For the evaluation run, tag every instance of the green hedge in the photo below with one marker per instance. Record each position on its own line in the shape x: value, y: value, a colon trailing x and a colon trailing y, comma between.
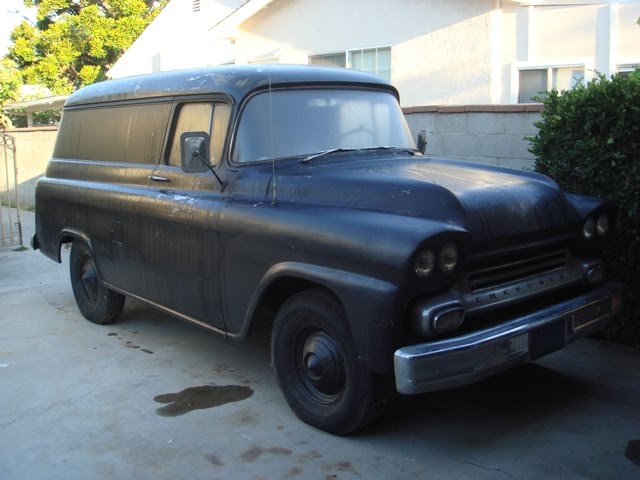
x: 589, y: 142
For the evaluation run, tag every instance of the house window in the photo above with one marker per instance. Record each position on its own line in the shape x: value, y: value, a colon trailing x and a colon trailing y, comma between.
x: 627, y: 69
x: 535, y: 82
x: 329, y: 60
x: 372, y: 60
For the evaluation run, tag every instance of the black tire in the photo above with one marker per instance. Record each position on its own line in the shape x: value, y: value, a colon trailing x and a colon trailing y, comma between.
x: 96, y: 302
x: 317, y: 366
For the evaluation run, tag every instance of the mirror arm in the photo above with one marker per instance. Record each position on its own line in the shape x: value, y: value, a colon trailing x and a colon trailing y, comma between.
x: 422, y: 141
x: 222, y: 184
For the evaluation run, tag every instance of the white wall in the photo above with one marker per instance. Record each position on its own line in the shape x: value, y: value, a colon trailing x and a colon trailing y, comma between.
x: 628, y: 42
x: 178, y: 39
x: 601, y: 36
x: 441, y: 50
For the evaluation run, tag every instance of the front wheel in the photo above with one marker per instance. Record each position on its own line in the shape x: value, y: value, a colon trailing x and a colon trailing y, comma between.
x: 96, y: 302
x: 317, y: 366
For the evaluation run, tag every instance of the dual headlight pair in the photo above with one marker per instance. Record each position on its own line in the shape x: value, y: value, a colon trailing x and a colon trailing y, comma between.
x: 445, y: 259
x: 593, y: 227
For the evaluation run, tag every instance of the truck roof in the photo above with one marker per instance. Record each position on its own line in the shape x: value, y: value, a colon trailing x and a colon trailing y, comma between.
x: 235, y: 81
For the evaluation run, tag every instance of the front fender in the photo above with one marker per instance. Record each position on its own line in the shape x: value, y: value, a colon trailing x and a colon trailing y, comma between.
x: 586, y: 205
x: 369, y: 304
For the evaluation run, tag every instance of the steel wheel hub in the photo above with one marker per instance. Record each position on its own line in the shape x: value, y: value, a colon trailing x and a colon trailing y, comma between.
x: 90, y: 282
x: 323, y: 365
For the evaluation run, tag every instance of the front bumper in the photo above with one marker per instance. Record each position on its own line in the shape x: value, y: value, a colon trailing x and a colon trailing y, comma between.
x: 458, y: 361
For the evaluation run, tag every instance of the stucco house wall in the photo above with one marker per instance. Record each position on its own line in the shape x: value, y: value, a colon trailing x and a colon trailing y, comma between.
x: 177, y: 38
x: 443, y: 52
x: 599, y: 37
x: 423, y: 35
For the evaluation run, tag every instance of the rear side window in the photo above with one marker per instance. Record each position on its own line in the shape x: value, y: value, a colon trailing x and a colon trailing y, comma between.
x: 123, y: 133
x: 209, y: 117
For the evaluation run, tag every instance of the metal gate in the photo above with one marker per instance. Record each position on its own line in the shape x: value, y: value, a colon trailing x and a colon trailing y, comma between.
x: 10, y: 223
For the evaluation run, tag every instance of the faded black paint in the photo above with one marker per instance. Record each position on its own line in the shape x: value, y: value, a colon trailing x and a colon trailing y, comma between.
x: 351, y: 222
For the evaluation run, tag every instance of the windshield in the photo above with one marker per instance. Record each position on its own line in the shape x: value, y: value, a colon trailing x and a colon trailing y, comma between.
x: 291, y: 123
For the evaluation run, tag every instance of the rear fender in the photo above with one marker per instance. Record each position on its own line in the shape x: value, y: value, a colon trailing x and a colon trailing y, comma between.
x: 68, y: 235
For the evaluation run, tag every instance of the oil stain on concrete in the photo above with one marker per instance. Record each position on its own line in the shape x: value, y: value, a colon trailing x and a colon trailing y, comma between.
x: 254, y: 453
x: 197, y: 398
x: 214, y: 459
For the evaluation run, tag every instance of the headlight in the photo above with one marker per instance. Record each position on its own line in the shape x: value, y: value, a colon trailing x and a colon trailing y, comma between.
x: 425, y: 263
x: 448, y: 258
x: 602, y: 225
x: 589, y: 229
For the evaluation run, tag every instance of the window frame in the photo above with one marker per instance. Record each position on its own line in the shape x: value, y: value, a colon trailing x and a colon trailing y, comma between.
x: 585, y: 65
x: 348, y: 58
x: 215, y: 102
x: 627, y: 67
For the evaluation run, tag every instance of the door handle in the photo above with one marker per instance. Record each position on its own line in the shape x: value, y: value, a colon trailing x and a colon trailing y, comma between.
x: 157, y: 178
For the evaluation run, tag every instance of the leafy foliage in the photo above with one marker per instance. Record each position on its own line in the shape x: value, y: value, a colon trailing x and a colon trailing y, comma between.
x: 46, y: 117
x: 10, y: 82
x: 75, y: 42
x: 589, y: 142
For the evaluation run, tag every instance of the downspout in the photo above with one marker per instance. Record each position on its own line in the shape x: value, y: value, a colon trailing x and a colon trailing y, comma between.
x: 497, y: 53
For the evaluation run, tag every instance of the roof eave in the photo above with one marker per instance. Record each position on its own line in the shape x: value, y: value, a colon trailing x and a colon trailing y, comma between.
x: 39, y: 104
x: 227, y: 25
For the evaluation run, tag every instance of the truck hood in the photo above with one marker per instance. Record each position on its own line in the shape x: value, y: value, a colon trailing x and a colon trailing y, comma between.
x: 489, y: 202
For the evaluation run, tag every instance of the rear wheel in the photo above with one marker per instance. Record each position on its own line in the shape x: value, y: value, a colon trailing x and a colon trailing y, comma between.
x: 317, y: 366
x: 96, y: 302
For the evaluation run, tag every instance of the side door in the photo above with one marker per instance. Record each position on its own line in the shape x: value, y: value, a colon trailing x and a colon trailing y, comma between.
x: 180, y: 241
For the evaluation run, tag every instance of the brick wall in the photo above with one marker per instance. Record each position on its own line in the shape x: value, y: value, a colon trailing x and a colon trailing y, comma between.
x: 492, y: 134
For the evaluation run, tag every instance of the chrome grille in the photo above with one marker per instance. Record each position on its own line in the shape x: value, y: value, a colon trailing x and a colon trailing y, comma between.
x: 516, y: 269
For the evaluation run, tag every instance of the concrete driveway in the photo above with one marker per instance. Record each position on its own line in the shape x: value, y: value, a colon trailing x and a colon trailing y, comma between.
x: 152, y: 397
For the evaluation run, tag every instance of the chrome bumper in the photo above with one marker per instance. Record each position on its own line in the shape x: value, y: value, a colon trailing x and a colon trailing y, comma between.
x: 458, y: 361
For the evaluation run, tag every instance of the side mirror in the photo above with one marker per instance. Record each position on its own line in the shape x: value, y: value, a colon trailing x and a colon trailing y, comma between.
x: 422, y: 141
x: 194, y: 152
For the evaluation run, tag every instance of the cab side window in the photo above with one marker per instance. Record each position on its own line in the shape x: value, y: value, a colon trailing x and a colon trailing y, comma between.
x: 212, y: 118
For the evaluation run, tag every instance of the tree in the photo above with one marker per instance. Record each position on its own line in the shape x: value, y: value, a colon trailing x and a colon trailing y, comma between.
x: 74, y: 42
x: 10, y: 82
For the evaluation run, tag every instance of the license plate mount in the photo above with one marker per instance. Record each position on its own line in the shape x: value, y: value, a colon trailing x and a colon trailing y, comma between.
x: 548, y: 339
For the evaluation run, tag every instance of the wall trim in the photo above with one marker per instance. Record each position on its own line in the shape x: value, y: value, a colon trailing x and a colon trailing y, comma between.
x: 43, y: 128
x: 518, y: 108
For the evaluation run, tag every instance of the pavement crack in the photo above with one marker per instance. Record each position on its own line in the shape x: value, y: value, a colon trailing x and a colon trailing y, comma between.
x: 473, y: 464
x: 488, y: 469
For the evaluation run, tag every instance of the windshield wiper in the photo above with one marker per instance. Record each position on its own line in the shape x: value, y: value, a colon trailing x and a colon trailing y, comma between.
x: 306, y: 159
x: 326, y: 152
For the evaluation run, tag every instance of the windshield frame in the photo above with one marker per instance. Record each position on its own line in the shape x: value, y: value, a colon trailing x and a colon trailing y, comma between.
x: 341, y: 87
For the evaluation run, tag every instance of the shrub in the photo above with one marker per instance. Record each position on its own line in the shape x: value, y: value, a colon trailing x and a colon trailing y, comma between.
x: 589, y: 142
